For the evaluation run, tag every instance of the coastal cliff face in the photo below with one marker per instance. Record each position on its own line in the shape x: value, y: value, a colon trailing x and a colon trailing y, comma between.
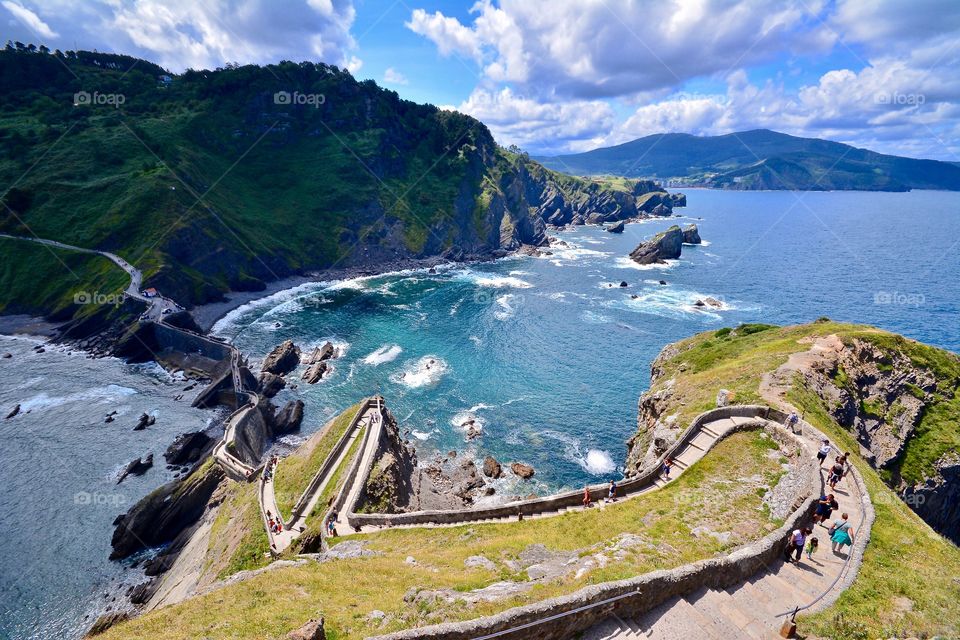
x: 359, y: 178
x: 895, y: 403
x: 898, y: 398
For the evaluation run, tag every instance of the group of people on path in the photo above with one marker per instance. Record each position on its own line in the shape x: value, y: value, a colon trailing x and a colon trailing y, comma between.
x: 840, y: 531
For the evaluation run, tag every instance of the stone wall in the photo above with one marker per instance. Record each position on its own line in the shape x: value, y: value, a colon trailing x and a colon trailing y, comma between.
x: 559, y: 500
x: 565, y: 616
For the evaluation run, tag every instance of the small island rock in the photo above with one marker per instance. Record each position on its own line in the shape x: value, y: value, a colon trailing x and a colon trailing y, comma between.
x: 283, y: 359
x: 522, y: 470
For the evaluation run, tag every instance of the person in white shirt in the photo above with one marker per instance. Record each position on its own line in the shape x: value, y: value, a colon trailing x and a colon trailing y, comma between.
x: 823, y: 452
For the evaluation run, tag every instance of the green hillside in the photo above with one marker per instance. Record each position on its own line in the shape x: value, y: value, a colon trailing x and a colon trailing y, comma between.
x: 760, y: 159
x: 222, y: 180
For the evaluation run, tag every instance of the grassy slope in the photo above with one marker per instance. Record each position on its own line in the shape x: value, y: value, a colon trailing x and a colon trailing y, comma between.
x: 40, y: 279
x: 891, y: 577
x: 296, y: 470
x: 237, y: 539
x: 345, y: 591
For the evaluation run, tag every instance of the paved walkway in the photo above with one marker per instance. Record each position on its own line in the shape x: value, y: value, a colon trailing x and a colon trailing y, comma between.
x: 706, y: 436
x: 268, y: 499
x: 155, y: 306
x: 751, y: 609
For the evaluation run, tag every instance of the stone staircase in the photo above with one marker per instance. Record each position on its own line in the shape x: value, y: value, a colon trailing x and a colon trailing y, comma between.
x: 750, y: 609
x: 706, y: 436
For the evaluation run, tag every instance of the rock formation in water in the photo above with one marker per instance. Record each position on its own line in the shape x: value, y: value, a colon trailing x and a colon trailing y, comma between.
x: 165, y: 513
x: 663, y: 246
x: 282, y: 360
x: 188, y: 448
x: 691, y: 235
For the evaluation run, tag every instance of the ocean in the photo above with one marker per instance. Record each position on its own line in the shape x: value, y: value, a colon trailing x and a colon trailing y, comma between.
x: 547, y: 354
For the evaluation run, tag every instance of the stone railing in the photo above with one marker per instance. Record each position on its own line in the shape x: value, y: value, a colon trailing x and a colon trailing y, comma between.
x: 327, y: 466
x: 557, y: 501
x: 566, y: 616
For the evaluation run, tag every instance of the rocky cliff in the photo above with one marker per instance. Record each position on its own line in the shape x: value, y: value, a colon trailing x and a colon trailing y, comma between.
x: 399, y: 483
x: 894, y: 399
x: 898, y: 398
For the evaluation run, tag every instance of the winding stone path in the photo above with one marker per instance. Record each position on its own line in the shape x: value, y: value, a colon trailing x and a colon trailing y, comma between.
x: 293, y: 528
x: 753, y: 608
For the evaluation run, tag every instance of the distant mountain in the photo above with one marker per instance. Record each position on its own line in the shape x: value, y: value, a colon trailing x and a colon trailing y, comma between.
x: 759, y: 159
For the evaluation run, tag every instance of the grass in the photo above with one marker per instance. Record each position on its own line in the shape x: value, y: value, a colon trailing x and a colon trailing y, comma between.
x: 344, y: 592
x: 906, y: 586
x: 295, y: 472
x: 39, y: 279
x: 238, y: 541
x: 315, y: 519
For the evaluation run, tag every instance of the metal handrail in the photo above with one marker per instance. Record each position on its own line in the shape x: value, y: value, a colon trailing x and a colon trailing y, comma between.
x: 846, y: 563
x: 557, y: 616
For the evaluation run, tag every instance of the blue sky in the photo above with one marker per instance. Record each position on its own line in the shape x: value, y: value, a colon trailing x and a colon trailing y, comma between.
x: 558, y: 76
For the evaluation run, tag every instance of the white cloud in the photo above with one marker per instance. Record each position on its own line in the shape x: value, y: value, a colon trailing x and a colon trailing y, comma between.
x: 180, y: 34
x: 547, y: 127
x: 29, y: 18
x: 392, y: 76
x: 619, y: 47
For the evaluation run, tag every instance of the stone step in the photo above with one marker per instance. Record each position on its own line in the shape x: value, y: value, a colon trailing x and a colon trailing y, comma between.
x: 675, y: 619
x: 720, y: 609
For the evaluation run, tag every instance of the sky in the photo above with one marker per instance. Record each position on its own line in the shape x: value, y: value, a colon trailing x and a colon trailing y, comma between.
x: 562, y: 76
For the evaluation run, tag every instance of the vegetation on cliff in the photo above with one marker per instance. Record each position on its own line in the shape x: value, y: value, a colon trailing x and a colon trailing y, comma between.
x: 907, y: 584
x: 224, y: 179
x: 295, y: 471
x: 411, y: 572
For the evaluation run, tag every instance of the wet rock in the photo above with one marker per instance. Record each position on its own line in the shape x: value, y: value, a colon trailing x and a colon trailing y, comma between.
x: 623, y: 284
x: 106, y: 621
x: 665, y: 245
x: 321, y: 353
x: 165, y: 513
x: 616, y: 228
x: 283, y: 359
x: 7, y: 355
x: 270, y: 384
x: 691, y: 235
x: 522, y: 470
x: 13, y: 412
x: 288, y: 418
x: 492, y: 468
x: 136, y: 467
x: 144, y: 421
x: 187, y: 448
x: 663, y: 282
x: 315, y: 372
x: 708, y: 302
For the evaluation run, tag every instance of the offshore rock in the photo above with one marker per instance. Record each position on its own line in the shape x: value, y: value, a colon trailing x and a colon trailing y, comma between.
x: 663, y: 246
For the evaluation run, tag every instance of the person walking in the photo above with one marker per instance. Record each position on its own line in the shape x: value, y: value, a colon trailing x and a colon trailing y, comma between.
x: 812, y: 547
x: 796, y: 543
x: 825, y: 507
x: 586, y: 496
x: 841, y: 534
x: 823, y: 452
x: 667, y: 465
x: 836, y: 472
x: 612, y: 492
x: 792, y: 421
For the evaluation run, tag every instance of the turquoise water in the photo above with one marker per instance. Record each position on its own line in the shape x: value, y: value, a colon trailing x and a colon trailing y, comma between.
x: 549, y: 354
x: 540, y: 350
